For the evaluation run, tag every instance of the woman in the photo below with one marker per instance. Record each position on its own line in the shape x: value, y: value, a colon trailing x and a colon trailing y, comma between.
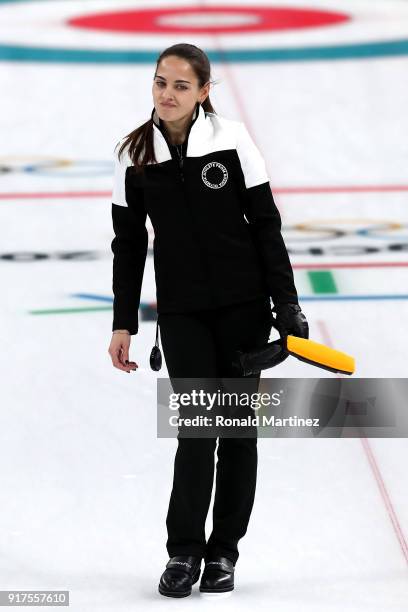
x: 219, y: 258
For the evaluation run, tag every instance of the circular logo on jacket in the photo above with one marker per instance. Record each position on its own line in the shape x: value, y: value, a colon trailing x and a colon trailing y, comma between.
x: 214, y: 175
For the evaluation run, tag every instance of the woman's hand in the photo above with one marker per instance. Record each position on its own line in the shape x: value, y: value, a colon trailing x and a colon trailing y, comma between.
x: 119, y: 351
x: 290, y: 320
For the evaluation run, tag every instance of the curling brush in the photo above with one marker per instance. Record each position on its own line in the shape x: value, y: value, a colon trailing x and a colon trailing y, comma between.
x: 309, y: 351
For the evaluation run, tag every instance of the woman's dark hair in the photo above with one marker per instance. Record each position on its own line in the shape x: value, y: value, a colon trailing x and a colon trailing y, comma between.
x: 141, y: 139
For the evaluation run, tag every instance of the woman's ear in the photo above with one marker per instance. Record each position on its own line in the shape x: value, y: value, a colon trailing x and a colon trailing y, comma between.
x: 206, y: 92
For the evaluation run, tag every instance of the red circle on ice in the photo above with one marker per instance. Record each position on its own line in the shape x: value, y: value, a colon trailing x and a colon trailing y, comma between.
x: 209, y: 20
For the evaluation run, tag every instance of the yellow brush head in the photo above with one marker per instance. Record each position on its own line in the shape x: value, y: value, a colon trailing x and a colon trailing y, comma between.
x: 320, y: 355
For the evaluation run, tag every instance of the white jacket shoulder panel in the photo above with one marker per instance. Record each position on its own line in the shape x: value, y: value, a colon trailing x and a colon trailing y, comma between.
x: 252, y: 162
x: 232, y: 134
x: 119, y: 175
x: 212, y: 134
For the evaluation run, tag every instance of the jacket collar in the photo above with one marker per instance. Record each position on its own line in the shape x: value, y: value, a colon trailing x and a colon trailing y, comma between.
x: 200, y: 130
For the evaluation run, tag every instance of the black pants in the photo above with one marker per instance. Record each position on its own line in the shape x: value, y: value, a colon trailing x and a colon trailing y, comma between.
x: 214, y: 334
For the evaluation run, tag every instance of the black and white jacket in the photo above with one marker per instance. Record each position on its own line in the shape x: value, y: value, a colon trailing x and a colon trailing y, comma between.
x: 217, y: 230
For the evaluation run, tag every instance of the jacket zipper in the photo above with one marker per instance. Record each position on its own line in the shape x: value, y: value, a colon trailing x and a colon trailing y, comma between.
x: 181, y: 160
x: 180, y: 164
x: 204, y: 256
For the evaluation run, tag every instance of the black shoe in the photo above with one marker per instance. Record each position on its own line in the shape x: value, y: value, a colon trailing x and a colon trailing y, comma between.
x: 218, y: 575
x: 181, y: 573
